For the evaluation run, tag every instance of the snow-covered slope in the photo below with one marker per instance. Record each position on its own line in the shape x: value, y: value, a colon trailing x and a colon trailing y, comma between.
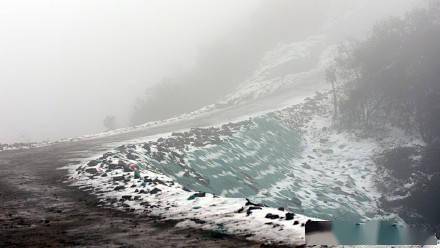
x: 290, y: 164
x: 296, y: 66
x: 141, y: 177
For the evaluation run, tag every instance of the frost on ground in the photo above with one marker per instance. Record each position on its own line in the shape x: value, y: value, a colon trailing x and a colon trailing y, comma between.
x: 339, y: 164
x: 129, y: 178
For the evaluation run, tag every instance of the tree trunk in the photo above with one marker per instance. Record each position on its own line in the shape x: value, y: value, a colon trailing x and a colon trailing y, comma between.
x: 335, y: 101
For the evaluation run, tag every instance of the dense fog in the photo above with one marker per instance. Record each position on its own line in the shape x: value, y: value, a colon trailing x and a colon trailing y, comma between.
x: 66, y: 65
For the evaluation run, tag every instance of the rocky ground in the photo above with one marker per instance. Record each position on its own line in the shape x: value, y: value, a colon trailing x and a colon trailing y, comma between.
x: 164, y: 150
x: 129, y: 178
x: 38, y: 210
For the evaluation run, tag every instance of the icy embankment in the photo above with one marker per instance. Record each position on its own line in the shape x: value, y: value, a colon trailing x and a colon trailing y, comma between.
x: 129, y: 178
x: 322, y: 172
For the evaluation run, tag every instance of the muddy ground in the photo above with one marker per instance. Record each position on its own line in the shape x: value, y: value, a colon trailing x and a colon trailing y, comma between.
x: 37, y: 209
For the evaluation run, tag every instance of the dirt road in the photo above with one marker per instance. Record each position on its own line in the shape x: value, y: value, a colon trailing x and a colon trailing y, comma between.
x: 38, y: 210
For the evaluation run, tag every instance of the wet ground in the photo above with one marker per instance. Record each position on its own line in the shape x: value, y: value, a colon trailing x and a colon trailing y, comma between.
x: 38, y: 210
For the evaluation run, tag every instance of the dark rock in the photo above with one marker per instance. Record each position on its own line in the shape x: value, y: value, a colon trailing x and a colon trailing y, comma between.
x: 281, y: 208
x: 106, y: 155
x: 155, y: 191
x: 92, y: 163
x: 120, y: 187
x: 295, y: 222
x: 289, y: 216
x: 157, y: 181
x: 250, y: 209
x: 126, y: 197
x: 249, y: 203
x: 272, y: 216
x: 114, y: 166
x: 91, y: 171
x: 118, y: 178
x: 199, y: 194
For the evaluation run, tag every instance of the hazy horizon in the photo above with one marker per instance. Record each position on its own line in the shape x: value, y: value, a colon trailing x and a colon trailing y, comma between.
x: 68, y: 64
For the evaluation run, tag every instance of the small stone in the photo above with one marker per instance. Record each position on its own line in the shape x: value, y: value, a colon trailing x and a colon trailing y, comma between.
x: 272, y: 216
x: 155, y: 191
x: 289, y: 216
x: 126, y: 197
x: 120, y: 187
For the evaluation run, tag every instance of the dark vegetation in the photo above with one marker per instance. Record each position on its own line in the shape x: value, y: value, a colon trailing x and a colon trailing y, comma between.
x: 393, y: 76
x: 392, y: 79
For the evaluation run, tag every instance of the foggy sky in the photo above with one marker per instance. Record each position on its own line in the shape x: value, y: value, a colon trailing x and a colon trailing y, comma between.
x: 65, y: 65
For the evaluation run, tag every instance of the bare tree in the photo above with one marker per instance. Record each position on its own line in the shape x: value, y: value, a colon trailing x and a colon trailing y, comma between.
x: 330, y: 76
x: 109, y: 122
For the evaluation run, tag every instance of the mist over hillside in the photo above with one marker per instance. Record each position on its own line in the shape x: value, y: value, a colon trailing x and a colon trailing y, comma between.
x: 219, y: 123
x: 226, y: 64
x: 90, y: 63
